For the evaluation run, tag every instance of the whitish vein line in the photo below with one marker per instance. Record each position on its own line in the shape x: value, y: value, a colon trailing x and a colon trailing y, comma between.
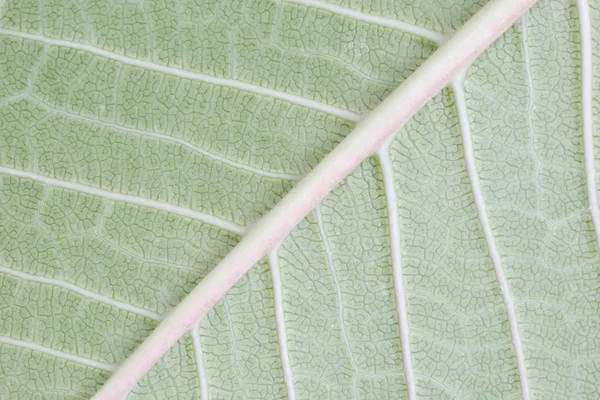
x: 202, y: 380
x: 389, y: 185
x: 434, y: 74
x: 83, y: 292
x: 182, y: 142
x: 338, y: 290
x: 436, y: 37
x: 280, y: 324
x: 583, y: 9
x: 184, y: 212
x: 234, y: 348
x: 530, y: 109
x: 465, y: 129
x: 345, y: 114
x: 56, y: 353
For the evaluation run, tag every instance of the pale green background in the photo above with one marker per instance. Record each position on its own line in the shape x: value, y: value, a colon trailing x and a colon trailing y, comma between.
x: 78, y: 117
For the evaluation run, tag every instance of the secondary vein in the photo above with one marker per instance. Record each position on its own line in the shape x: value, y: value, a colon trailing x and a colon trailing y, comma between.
x: 248, y: 87
x: 84, y: 292
x: 280, y: 324
x: 184, y: 212
x: 389, y: 185
x: 583, y: 9
x: 490, y: 239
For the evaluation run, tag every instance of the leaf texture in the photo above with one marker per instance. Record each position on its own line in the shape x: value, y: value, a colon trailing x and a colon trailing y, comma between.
x: 138, y: 140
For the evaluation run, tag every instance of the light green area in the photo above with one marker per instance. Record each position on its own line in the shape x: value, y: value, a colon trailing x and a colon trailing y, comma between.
x: 534, y: 180
x: 174, y: 377
x: 341, y: 318
x: 83, y: 276
x: 283, y: 46
x: 240, y: 345
x: 440, y: 15
x: 30, y: 374
x: 459, y: 331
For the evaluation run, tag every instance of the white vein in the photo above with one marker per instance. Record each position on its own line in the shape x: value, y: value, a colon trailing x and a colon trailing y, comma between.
x: 202, y: 380
x: 583, y: 9
x: 441, y: 385
x: 530, y: 108
x: 434, y: 36
x: 338, y: 290
x: 465, y: 129
x: 184, y: 212
x: 400, y: 294
x: 95, y: 296
x: 302, y: 101
x: 234, y: 347
x: 182, y: 142
x: 58, y: 354
x: 280, y: 324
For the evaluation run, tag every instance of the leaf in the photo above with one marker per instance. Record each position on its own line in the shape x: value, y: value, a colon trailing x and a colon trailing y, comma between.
x: 126, y: 165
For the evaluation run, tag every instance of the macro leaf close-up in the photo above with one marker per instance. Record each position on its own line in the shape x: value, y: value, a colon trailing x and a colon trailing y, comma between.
x: 451, y: 252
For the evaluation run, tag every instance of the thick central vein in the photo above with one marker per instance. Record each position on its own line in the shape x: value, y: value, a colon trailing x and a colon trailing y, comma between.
x: 367, y: 137
x: 465, y: 129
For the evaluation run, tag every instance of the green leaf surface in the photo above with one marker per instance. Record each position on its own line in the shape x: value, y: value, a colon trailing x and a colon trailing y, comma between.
x: 139, y: 138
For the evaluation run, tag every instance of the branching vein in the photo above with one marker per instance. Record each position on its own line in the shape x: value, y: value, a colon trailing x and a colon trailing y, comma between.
x: 368, y: 136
